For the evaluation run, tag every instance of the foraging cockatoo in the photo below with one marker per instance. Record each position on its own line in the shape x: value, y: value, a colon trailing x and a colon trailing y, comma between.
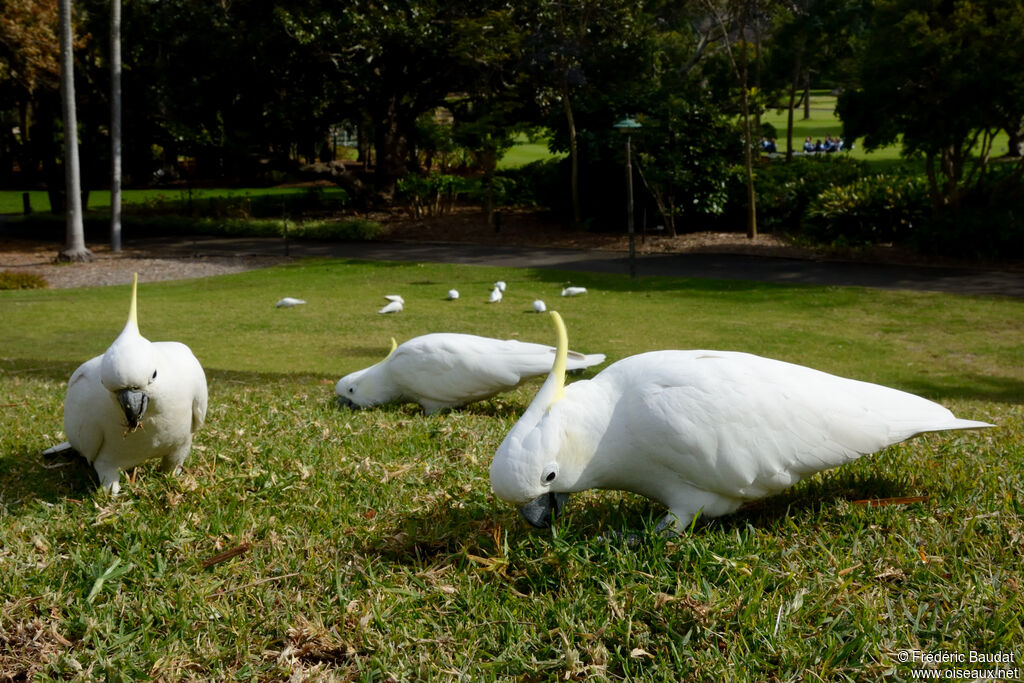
x: 288, y: 302
x: 495, y: 295
x: 573, y: 291
x: 448, y: 370
x: 700, y: 431
x: 394, y: 305
x: 453, y: 294
x: 539, y: 306
x: 500, y: 284
x: 139, y: 400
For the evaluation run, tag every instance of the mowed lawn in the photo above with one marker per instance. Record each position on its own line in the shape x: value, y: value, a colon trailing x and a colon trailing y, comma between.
x: 311, y: 542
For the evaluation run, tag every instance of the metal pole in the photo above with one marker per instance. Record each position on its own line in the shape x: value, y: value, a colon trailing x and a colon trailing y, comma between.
x: 629, y: 210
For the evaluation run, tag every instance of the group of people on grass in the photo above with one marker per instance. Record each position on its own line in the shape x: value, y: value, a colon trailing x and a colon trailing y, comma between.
x: 830, y: 144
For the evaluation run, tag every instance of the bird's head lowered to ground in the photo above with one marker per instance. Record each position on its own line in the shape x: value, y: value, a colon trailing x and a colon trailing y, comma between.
x: 367, y: 387
x: 129, y: 367
x: 535, y: 467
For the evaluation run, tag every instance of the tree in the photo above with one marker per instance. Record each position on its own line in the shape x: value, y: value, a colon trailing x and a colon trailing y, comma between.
x: 943, y: 77
x: 684, y: 158
x: 115, y: 125
x: 74, y: 248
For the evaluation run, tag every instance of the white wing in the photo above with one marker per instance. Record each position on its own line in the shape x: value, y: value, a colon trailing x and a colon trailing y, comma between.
x: 744, y: 426
x: 394, y: 298
x: 288, y: 302
x: 393, y: 307
x: 495, y: 296
x: 449, y: 369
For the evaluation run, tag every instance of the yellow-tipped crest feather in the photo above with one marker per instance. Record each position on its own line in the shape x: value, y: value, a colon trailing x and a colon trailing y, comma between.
x: 133, y: 310
x: 394, y: 345
x: 561, y: 354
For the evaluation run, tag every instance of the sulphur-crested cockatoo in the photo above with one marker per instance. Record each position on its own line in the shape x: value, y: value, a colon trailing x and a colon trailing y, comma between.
x: 139, y: 400
x: 448, y: 370
x: 700, y: 431
x: 539, y: 306
x: 495, y: 295
x: 500, y: 284
x: 573, y: 291
x: 394, y: 305
x: 453, y: 294
x: 289, y: 301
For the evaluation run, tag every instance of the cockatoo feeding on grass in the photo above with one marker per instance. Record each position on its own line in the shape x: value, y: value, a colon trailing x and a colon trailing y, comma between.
x: 539, y: 306
x: 139, y: 400
x: 394, y: 305
x: 453, y: 294
x: 288, y: 302
x: 448, y: 370
x: 495, y: 295
x: 573, y: 291
x: 700, y: 431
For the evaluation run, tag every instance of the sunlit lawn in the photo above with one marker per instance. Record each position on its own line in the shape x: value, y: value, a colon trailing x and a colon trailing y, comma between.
x: 367, y: 545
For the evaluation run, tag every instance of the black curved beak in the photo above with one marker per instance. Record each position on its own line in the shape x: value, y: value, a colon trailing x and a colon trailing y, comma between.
x: 344, y: 401
x: 541, y: 511
x: 134, y: 403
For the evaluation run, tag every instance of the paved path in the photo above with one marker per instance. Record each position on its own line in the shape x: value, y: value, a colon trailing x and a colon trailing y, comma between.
x: 719, y: 266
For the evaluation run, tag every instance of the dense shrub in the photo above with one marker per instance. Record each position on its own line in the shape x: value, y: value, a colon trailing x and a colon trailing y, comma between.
x: 431, y: 194
x: 785, y: 191
x: 10, y: 279
x: 535, y: 184
x: 870, y: 210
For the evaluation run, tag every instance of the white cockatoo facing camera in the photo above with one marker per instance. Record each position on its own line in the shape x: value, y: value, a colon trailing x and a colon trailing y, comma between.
x: 449, y: 370
x: 139, y: 400
x: 701, y: 432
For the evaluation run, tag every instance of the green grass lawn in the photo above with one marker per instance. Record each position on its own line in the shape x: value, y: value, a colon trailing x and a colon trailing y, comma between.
x: 11, y: 201
x: 367, y: 545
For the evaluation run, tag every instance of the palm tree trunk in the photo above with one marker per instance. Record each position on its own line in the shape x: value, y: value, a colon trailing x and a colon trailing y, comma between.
x: 115, y: 125
x: 74, y: 248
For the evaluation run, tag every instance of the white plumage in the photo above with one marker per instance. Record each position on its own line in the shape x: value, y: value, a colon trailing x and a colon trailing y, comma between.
x: 394, y: 305
x: 539, y: 306
x: 447, y: 370
x: 288, y: 302
x: 453, y: 294
x: 573, y: 291
x: 495, y: 295
x: 500, y: 284
x: 139, y: 400
x: 700, y: 431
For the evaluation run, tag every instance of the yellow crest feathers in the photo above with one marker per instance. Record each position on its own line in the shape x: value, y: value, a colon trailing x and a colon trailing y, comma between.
x: 561, y: 355
x: 133, y: 309
x: 394, y: 345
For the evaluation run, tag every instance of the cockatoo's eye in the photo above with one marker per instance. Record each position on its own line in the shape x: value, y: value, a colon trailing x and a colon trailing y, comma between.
x: 351, y: 390
x: 550, y: 473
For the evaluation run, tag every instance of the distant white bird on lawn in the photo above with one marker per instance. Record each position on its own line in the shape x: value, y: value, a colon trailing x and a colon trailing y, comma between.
x: 500, y: 284
x: 700, y: 431
x: 394, y: 305
x: 139, y: 400
x: 573, y: 291
x: 453, y: 294
x: 539, y: 306
x: 288, y: 302
x: 495, y: 295
x: 448, y: 370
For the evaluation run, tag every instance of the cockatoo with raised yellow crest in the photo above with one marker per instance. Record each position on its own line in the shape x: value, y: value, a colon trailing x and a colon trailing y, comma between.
x: 701, y: 432
x: 449, y: 370
x: 137, y: 401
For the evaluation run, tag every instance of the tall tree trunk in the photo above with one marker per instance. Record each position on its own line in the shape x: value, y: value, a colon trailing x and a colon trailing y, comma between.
x: 792, y: 104
x: 391, y: 147
x: 574, y: 157
x: 748, y: 140
x: 74, y: 248
x: 115, y: 125
x: 807, y: 96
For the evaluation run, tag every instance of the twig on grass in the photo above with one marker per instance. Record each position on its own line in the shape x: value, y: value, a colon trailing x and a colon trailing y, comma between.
x: 226, y: 555
x: 900, y: 500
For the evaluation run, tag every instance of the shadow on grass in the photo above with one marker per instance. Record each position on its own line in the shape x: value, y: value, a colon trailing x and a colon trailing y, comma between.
x: 28, y: 476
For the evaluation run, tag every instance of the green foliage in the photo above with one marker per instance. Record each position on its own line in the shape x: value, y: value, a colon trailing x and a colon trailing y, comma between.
x: 537, y: 183
x: 870, y: 210
x: 430, y: 194
x: 367, y: 544
x: 10, y: 279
